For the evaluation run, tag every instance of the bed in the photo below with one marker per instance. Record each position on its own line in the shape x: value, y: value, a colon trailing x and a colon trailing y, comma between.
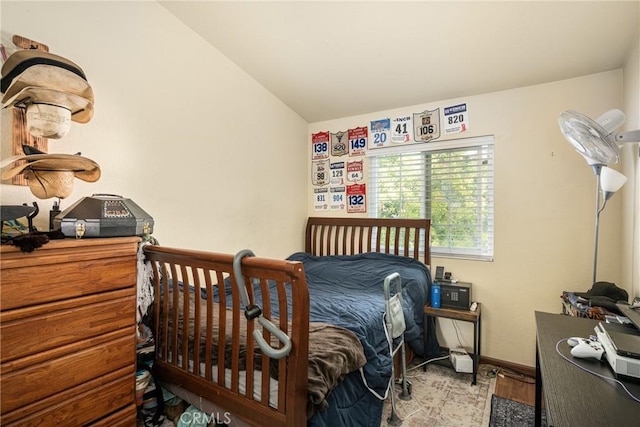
x: 328, y: 300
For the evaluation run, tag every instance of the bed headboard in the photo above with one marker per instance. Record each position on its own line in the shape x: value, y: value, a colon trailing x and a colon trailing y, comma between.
x: 350, y: 236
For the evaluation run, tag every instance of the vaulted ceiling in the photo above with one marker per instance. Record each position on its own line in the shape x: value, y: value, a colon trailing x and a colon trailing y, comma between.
x: 336, y: 59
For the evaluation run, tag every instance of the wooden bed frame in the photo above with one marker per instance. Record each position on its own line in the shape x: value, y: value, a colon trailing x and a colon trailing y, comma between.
x: 349, y: 236
x: 203, y: 270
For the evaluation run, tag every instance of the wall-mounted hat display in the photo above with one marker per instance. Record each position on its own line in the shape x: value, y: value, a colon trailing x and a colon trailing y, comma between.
x: 56, y: 84
x: 50, y: 175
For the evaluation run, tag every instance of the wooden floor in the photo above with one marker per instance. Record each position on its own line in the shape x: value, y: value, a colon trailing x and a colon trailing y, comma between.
x: 515, y: 386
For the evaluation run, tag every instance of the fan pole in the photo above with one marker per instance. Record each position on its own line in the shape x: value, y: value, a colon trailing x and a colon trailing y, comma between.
x: 596, y: 169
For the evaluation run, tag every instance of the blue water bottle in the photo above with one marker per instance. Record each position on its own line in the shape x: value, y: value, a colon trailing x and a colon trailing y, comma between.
x: 435, y: 295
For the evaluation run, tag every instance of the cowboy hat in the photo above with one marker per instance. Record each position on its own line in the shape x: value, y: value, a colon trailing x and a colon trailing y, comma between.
x: 50, y: 175
x: 48, y: 121
x: 31, y: 76
x: 25, y: 58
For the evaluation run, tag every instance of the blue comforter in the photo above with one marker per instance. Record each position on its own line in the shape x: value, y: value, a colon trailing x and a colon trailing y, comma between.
x: 347, y: 291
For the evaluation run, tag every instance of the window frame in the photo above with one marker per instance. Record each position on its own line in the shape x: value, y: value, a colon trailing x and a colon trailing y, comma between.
x: 484, y: 250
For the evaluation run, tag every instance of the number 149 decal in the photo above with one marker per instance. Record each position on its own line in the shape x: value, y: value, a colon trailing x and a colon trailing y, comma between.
x: 357, y: 141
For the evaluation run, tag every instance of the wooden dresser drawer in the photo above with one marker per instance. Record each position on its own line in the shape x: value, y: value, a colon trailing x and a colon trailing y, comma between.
x: 65, y: 322
x: 64, y: 269
x: 36, y: 382
x: 68, y: 330
x: 82, y: 405
x: 125, y: 417
x: 26, y: 286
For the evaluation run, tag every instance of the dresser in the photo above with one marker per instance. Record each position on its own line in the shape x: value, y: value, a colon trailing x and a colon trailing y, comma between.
x: 67, y: 333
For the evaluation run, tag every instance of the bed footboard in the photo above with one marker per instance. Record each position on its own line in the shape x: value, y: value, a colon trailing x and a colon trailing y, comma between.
x: 205, y: 344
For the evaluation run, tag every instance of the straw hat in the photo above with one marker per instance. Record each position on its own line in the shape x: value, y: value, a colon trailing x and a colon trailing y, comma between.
x: 31, y: 76
x: 50, y: 175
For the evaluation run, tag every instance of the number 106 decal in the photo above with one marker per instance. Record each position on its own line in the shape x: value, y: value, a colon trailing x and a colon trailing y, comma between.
x: 427, y: 125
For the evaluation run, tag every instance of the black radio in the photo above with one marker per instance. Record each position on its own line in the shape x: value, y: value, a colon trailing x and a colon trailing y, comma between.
x: 455, y: 295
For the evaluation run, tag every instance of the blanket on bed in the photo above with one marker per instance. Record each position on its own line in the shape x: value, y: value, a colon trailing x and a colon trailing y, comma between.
x: 333, y: 351
x: 347, y: 291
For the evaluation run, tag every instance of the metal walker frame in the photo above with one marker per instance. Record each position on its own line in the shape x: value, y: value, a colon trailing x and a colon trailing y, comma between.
x: 395, y: 328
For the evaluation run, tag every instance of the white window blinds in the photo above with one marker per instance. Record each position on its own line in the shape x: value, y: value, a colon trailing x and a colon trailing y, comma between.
x: 449, y: 182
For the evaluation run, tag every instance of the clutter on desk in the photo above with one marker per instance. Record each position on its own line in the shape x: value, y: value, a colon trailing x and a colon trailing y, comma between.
x: 596, y: 303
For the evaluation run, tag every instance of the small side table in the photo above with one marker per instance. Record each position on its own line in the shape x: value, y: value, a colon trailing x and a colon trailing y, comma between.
x: 466, y: 316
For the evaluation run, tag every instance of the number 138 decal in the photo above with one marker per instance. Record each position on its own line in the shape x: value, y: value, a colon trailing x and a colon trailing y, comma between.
x: 320, y: 145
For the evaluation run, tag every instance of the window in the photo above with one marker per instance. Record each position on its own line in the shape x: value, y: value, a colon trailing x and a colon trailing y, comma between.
x: 450, y: 182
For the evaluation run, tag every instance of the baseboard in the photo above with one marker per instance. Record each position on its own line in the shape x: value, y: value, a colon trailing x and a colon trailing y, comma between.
x: 521, y: 369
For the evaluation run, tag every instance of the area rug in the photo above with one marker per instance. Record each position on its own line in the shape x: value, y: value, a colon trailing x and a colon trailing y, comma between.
x: 443, y: 397
x: 508, y: 413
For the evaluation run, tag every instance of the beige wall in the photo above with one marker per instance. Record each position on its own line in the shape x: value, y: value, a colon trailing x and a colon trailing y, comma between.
x: 544, y: 209
x: 198, y: 144
x: 631, y: 168
x: 221, y: 164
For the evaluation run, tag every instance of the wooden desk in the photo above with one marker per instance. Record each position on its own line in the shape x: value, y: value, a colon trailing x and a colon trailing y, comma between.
x: 573, y: 396
x: 466, y: 316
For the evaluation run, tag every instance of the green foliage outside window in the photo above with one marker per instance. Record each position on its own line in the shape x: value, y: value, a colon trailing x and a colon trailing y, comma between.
x: 454, y: 188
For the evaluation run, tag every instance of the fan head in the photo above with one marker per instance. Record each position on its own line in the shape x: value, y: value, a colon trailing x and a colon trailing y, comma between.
x: 595, y: 142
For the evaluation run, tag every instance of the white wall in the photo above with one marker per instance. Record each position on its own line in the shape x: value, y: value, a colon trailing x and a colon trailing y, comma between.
x: 544, y: 209
x: 178, y: 128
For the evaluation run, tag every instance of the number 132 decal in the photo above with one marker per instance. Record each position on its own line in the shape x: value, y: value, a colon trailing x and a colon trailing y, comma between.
x: 356, y: 198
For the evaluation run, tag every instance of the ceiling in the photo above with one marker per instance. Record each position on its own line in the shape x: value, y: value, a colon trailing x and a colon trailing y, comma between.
x: 327, y: 60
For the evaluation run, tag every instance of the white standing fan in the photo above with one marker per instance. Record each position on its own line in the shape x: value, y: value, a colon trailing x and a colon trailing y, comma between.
x: 591, y: 138
x: 596, y: 141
